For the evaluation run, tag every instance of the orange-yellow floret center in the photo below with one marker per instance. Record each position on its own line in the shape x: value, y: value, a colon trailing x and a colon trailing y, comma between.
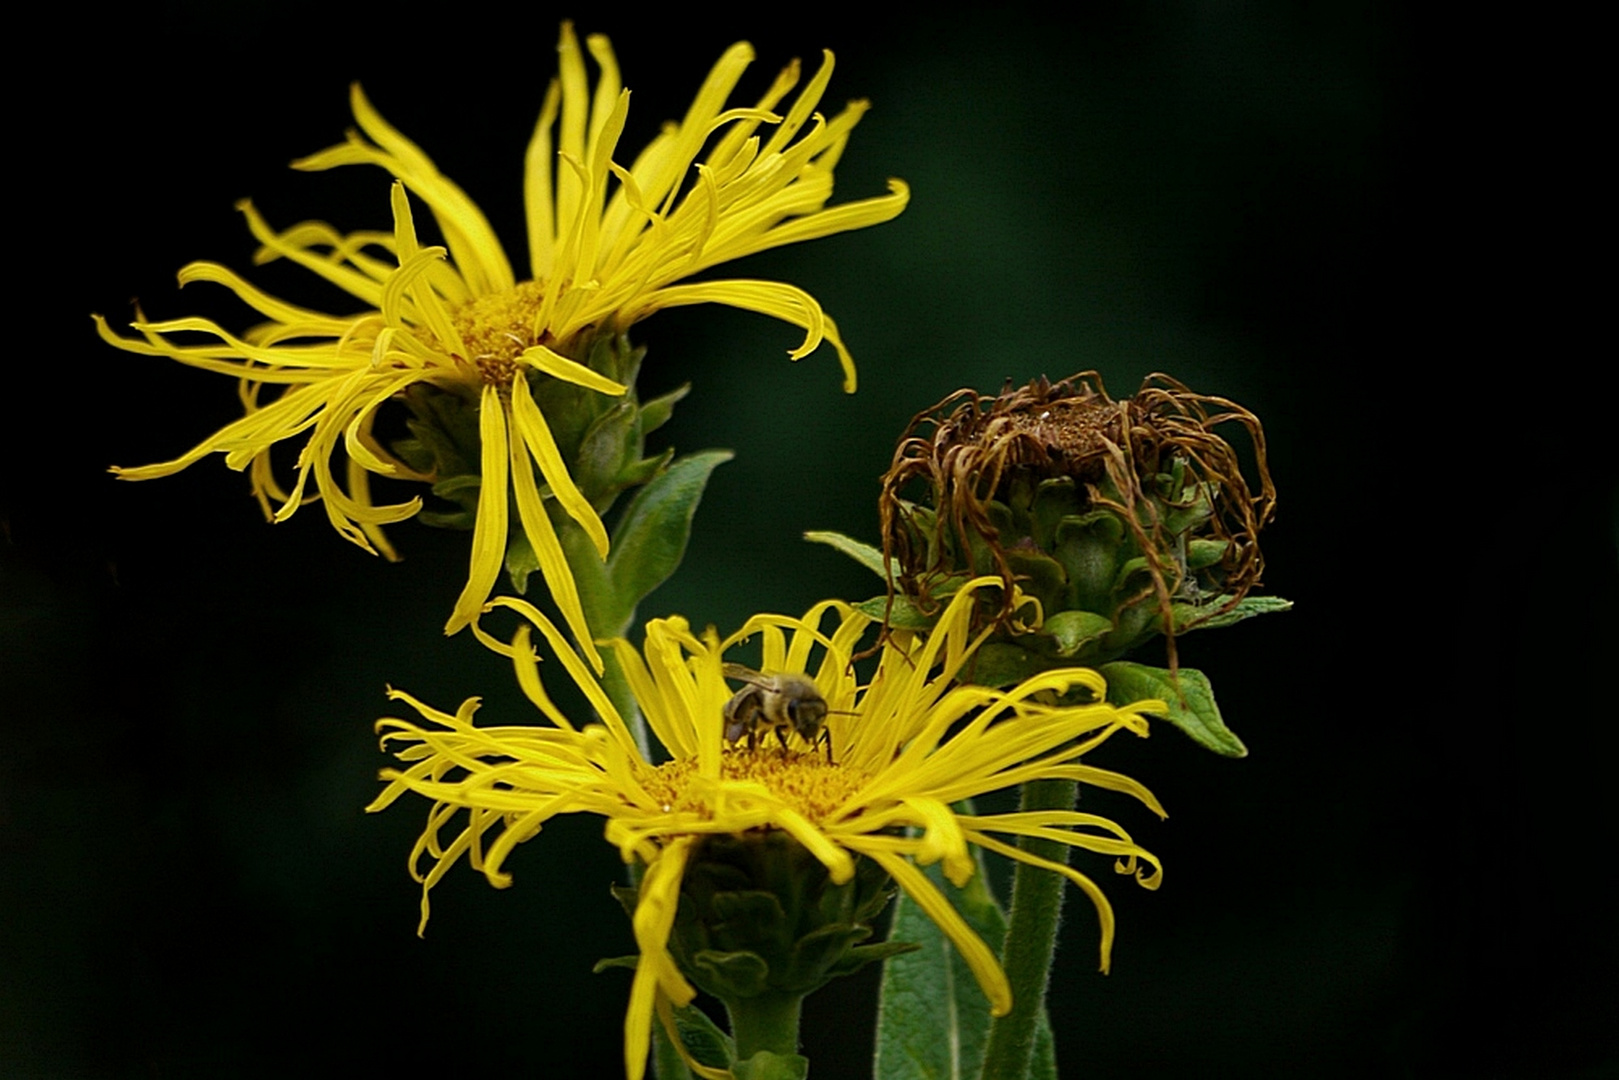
x: 805, y: 781
x: 498, y: 327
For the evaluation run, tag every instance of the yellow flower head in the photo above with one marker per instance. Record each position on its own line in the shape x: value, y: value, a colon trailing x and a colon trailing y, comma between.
x: 608, y: 246
x: 907, y: 745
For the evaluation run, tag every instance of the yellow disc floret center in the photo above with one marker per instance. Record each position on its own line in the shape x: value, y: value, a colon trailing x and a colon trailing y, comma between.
x: 805, y: 781
x: 497, y: 328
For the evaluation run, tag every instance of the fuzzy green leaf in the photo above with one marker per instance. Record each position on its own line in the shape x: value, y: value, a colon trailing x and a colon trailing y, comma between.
x: 862, y: 553
x: 932, y: 1018
x: 1188, y: 695
x: 647, y: 545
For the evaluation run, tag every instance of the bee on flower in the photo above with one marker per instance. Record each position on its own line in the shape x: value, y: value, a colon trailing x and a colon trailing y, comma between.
x: 720, y: 821
x: 507, y: 374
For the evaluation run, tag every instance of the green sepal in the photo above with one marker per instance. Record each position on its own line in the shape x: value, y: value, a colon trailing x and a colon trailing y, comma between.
x: 1088, y: 546
x: 609, y: 963
x: 730, y: 975
x: 1188, y: 696
x: 647, y: 545
x: 444, y: 433
x: 1038, y: 574
x: 1073, y: 630
x: 462, y: 488
x: 1205, y: 553
x: 746, y: 915
x: 760, y: 920
x: 462, y: 520
x: 628, y: 896
x: 703, y: 1038
x: 1182, y: 516
x: 861, y: 955
x: 520, y: 559
x: 919, y: 1035
x: 643, y: 471
x: 767, y: 1066
x: 1054, y: 500
x: 656, y: 413
x: 1001, y: 663
x: 605, y: 449
x: 860, y: 552
x: 572, y: 410
x: 823, y: 948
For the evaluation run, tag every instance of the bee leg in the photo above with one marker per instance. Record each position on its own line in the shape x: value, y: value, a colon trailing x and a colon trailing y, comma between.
x: 781, y: 735
x: 826, y: 737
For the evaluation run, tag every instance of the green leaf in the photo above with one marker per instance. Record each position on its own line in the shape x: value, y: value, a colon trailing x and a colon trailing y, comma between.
x: 932, y: 1019
x: 647, y: 545
x: 916, y: 1013
x: 902, y: 616
x: 862, y: 553
x: 1072, y: 630
x: 1188, y: 695
x: 767, y: 1066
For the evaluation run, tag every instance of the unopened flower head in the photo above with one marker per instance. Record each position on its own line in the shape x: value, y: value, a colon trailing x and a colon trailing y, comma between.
x: 907, y: 745
x: 608, y: 246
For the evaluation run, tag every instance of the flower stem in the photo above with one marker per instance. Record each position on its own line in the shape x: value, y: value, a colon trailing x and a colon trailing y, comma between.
x: 767, y: 1021
x: 1031, y: 938
x: 618, y: 692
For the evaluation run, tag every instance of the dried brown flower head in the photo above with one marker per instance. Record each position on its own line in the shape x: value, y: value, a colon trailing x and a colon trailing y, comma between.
x: 993, y: 479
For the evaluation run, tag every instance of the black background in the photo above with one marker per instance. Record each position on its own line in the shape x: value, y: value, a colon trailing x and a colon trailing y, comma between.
x: 1306, y: 208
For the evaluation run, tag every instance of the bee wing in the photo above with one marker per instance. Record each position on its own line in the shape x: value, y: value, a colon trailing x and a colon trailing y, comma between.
x: 748, y: 675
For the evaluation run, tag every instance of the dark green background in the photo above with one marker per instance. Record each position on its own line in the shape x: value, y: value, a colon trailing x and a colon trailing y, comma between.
x: 1296, y: 207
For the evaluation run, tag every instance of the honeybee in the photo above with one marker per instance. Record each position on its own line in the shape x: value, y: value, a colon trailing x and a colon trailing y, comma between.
x: 781, y: 703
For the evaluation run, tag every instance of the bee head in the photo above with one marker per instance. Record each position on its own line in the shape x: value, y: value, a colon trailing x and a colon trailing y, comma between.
x: 807, y: 715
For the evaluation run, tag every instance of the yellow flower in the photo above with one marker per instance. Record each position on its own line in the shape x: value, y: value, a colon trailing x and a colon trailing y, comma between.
x: 907, y: 745
x: 608, y: 246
